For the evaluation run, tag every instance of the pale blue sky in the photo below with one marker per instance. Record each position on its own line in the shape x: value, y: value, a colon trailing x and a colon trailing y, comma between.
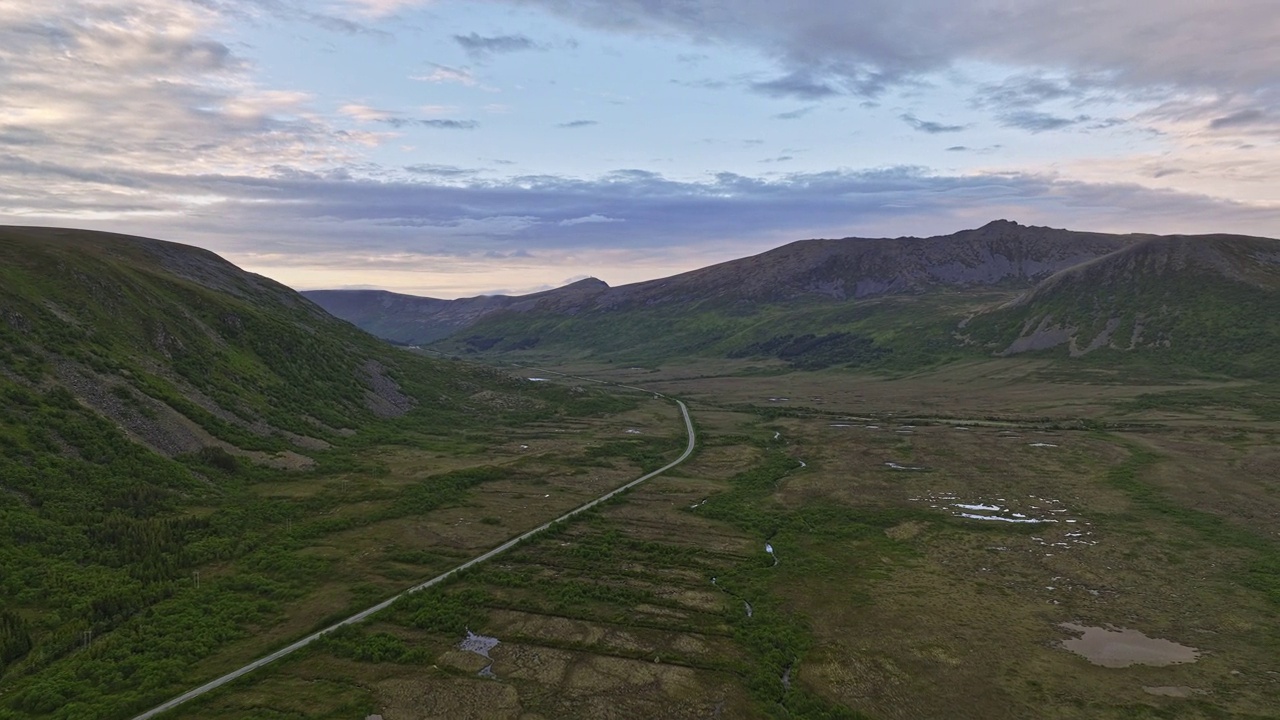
x: 450, y: 148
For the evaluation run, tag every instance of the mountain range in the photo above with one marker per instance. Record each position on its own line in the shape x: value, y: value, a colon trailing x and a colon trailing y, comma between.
x: 1210, y: 302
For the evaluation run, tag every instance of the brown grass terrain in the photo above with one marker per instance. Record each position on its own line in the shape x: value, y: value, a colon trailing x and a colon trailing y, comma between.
x: 1163, y: 522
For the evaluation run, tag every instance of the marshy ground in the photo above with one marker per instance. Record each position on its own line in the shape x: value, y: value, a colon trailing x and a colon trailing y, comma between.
x: 940, y: 545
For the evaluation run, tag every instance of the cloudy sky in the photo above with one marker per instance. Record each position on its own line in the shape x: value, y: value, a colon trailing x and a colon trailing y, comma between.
x: 453, y: 147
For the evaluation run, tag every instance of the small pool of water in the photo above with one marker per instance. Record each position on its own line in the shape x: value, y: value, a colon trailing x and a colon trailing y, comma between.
x: 1122, y: 647
x: 480, y: 645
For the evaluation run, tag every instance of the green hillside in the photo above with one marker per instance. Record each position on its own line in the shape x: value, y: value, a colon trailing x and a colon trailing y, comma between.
x: 903, y: 332
x: 1208, y: 304
x: 1159, y: 305
x: 150, y: 391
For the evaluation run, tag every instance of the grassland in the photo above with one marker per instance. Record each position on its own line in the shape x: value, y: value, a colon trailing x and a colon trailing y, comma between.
x: 884, y: 601
x: 258, y: 557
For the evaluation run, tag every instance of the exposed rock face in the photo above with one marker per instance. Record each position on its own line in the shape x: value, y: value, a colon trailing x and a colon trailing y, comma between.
x: 1148, y: 294
x: 1046, y: 335
x: 384, y: 397
x: 145, y: 419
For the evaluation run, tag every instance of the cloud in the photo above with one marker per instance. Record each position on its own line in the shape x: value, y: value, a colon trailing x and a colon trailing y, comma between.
x: 437, y: 123
x: 294, y: 10
x: 479, y: 47
x: 929, y: 126
x: 364, y: 113
x: 317, y: 213
x: 796, y: 85
x: 444, y: 74
x: 440, y: 171
x: 1202, y: 44
x: 382, y: 8
x: 141, y: 85
x: 133, y: 115
x: 1242, y: 118
x: 795, y: 114
x: 1037, y: 122
x: 367, y: 114
x: 589, y: 220
x: 1028, y: 91
x: 578, y: 124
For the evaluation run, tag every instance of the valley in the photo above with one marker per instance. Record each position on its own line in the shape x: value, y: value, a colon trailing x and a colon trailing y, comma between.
x: 639, y: 359
x: 879, y: 518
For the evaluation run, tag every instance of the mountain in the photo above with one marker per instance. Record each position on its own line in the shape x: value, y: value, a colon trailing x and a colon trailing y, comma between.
x: 165, y: 414
x: 181, y: 349
x: 1212, y: 301
x: 811, y: 303
x: 896, y: 303
x: 1000, y: 253
x: 412, y: 320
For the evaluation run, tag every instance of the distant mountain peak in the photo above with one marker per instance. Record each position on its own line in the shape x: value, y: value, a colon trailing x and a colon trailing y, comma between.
x: 585, y: 283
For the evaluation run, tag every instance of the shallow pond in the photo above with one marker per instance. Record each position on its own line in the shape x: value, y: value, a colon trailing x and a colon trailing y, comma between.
x: 480, y: 645
x: 1122, y: 647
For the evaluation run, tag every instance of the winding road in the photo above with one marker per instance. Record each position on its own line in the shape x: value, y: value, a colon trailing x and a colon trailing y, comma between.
x: 365, y: 614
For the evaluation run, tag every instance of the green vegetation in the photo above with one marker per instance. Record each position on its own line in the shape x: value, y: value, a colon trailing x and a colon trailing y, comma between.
x: 196, y: 468
x: 147, y: 395
x: 1163, y: 323
x: 892, y: 334
x: 1262, y: 401
x: 1261, y: 569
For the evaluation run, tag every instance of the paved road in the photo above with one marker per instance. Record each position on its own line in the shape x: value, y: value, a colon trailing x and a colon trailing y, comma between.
x: 360, y: 616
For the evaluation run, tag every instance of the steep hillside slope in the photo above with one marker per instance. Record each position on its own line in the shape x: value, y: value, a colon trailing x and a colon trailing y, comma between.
x: 148, y: 391
x: 180, y: 348
x: 1209, y: 301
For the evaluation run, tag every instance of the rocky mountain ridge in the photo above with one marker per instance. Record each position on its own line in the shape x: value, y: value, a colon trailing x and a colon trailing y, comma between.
x: 999, y: 254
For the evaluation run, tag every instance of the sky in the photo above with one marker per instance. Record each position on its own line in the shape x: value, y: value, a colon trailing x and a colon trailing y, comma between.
x: 457, y: 147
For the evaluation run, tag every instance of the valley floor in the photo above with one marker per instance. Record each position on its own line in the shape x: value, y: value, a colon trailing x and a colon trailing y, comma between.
x: 840, y: 546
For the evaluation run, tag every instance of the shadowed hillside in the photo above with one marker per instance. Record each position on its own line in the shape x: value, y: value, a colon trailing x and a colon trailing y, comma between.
x: 149, y: 392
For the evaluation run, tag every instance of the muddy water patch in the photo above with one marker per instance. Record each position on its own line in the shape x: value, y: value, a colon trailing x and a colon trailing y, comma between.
x: 480, y: 645
x: 1122, y: 647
